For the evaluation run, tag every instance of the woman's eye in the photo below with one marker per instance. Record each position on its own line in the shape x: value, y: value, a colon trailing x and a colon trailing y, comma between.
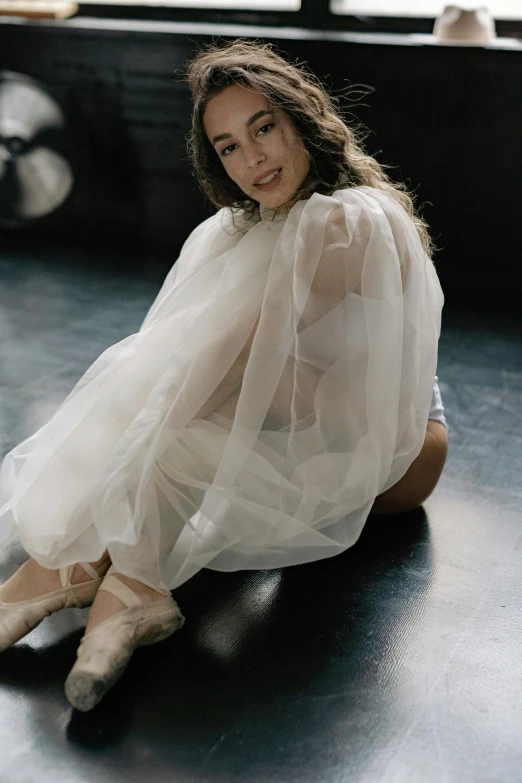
x: 264, y: 129
x: 269, y: 125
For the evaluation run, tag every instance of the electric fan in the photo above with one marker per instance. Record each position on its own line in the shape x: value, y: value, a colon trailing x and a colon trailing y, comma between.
x: 36, y: 169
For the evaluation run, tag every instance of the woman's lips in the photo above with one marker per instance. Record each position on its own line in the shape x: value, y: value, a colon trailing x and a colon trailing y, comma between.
x: 273, y: 182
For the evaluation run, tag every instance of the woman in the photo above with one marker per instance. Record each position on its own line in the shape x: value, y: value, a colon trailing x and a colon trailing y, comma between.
x: 278, y: 390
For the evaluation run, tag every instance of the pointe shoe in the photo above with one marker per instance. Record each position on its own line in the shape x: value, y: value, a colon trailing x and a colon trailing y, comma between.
x: 105, y: 651
x: 19, y: 618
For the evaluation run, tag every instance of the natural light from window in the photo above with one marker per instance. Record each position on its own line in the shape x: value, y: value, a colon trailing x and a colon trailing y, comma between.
x: 500, y: 9
x: 243, y: 5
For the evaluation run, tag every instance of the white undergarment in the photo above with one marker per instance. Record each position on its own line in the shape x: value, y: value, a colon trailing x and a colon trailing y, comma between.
x: 437, y: 408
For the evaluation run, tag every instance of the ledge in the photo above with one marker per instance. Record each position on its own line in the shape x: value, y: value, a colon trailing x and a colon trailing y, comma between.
x: 248, y: 31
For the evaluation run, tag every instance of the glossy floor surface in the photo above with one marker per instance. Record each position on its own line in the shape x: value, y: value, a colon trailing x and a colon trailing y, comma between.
x: 397, y: 661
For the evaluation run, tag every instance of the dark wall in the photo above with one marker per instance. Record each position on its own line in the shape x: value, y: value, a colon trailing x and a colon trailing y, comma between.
x: 449, y: 118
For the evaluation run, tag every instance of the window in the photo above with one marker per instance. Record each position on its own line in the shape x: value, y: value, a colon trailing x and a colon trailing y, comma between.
x: 252, y: 5
x: 500, y: 9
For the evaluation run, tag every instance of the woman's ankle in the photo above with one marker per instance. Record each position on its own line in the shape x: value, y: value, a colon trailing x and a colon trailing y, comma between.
x: 106, y: 604
x: 101, y: 567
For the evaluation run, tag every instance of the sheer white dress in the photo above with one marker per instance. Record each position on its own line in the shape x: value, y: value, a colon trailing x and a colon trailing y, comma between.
x: 280, y: 381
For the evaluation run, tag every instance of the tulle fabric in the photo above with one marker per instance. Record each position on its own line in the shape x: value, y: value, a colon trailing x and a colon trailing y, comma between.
x: 280, y: 381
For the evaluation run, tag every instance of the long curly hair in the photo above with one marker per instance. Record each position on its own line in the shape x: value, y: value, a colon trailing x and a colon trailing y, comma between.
x: 337, y: 156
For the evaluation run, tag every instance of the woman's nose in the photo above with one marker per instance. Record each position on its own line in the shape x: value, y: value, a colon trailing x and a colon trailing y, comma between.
x: 254, y: 156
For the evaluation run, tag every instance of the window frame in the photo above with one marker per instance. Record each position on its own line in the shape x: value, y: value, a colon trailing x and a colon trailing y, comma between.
x: 314, y: 14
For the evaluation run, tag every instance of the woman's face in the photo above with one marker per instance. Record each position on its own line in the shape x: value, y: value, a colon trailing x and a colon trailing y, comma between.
x: 254, y: 143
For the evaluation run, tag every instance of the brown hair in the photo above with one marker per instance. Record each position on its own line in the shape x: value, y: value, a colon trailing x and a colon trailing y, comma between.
x: 337, y: 157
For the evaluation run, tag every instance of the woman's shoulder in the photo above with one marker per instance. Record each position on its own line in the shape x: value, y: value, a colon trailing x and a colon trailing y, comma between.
x: 363, y: 203
x: 356, y: 202
x: 220, y: 221
x: 363, y: 194
x: 355, y: 194
x: 212, y: 236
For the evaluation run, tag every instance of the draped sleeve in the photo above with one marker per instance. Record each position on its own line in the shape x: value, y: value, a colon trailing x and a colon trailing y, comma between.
x: 281, y: 380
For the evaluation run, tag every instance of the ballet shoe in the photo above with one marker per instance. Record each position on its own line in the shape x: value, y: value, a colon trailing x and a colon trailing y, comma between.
x: 105, y: 651
x: 19, y: 618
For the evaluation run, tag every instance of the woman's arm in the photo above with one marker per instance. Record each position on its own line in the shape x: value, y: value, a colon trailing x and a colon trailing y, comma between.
x: 232, y: 379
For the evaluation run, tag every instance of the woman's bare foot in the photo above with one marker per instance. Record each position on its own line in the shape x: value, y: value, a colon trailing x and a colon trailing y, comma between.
x: 105, y: 604
x: 32, y: 580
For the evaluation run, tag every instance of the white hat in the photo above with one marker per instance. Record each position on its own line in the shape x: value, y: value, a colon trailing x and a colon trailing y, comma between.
x: 465, y: 27
x: 456, y: 24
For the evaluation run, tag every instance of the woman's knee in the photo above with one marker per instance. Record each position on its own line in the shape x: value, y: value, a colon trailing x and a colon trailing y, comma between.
x: 421, y: 478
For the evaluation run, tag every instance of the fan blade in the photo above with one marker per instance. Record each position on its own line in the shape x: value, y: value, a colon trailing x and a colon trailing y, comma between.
x: 43, y: 181
x: 25, y: 110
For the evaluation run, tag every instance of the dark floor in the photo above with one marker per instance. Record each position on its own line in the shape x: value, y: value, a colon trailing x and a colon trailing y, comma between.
x: 397, y: 661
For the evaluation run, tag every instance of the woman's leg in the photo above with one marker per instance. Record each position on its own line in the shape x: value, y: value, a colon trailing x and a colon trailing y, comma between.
x: 408, y: 493
x: 420, y: 479
x: 106, y: 604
